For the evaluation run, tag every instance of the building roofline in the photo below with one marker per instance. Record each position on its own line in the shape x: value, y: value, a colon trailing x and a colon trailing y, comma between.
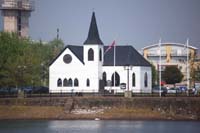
x: 168, y: 43
x: 67, y: 46
x: 93, y: 33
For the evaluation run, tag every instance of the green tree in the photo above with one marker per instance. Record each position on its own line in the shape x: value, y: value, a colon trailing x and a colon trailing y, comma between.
x: 11, y: 51
x: 196, y: 74
x: 56, y: 46
x: 24, y: 62
x: 50, y: 51
x: 154, y: 75
x: 172, y: 75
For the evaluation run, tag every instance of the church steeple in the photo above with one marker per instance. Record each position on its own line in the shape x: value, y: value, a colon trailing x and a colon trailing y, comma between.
x: 93, y: 34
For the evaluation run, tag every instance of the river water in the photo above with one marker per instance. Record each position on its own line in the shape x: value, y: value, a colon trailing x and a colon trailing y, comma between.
x: 90, y: 126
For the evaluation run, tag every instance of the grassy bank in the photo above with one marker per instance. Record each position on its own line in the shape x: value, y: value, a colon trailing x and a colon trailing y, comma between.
x: 100, y: 107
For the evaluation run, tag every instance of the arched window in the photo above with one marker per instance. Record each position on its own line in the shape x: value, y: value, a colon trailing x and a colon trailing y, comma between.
x: 104, y: 79
x: 117, y: 79
x: 65, y: 82
x: 69, y: 82
x: 133, y: 79
x: 88, y: 83
x: 90, y: 55
x: 75, y: 82
x: 59, y: 82
x: 145, y: 79
x: 100, y: 55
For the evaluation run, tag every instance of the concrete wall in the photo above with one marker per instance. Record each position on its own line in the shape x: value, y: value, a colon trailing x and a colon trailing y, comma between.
x: 10, y: 21
x: 111, y: 108
x: 25, y: 24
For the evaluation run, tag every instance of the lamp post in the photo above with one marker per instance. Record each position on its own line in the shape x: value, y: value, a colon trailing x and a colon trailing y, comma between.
x: 160, y: 67
x: 128, y: 68
x: 43, y: 74
x: 21, y: 70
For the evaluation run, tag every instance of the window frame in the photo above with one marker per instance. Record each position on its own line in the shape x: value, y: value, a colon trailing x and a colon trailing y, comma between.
x: 76, y: 82
x: 90, y: 54
x: 59, y: 82
x: 88, y: 82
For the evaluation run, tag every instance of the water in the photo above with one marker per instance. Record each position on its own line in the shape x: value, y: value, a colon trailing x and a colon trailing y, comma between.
x: 84, y: 126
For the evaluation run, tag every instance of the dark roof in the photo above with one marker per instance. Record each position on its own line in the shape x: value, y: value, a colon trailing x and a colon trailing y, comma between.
x: 76, y: 50
x: 93, y: 34
x: 125, y: 55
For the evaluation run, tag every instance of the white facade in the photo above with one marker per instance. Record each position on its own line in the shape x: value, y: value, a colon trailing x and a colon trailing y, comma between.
x: 61, y: 70
x: 93, y: 70
x: 87, y: 69
x: 139, y: 78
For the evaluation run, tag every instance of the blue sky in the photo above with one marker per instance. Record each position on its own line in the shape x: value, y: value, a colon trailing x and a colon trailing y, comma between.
x: 135, y: 22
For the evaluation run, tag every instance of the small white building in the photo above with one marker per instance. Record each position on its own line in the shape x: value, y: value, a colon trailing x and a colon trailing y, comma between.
x: 87, y: 69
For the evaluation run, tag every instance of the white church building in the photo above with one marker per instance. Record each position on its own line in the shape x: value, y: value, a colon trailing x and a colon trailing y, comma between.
x: 88, y: 69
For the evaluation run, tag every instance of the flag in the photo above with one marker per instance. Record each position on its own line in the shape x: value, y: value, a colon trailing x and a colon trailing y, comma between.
x: 110, y: 47
x: 113, y: 44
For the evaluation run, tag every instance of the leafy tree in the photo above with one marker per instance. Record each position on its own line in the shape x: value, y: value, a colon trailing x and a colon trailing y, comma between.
x: 154, y: 75
x: 196, y: 74
x: 172, y: 75
x: 11, y: 51
x: 50, y: 51
x: 194, y: 68
x: 56, y: 45
x: 197, y: 77
x: 24, y: 62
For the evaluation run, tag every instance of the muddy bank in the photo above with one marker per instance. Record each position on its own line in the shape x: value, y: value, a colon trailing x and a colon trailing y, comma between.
x: 100, y: 107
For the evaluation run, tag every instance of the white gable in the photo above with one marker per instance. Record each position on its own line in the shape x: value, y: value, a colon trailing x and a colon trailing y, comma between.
x: 60, y: 64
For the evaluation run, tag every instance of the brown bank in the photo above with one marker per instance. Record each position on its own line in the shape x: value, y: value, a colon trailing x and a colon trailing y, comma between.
x: 102, y: 108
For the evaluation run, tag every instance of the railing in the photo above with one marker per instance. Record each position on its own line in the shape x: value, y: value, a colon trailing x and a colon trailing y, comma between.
x: 178, y: 54
x: 155, y: 54
x: 19, y: 5
x: 60, y: 95
x: 8, y: 95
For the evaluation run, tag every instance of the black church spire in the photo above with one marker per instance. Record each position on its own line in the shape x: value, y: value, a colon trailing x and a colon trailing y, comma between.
x: 93, y: 34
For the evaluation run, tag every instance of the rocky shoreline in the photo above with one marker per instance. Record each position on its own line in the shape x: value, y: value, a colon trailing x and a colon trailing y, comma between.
x: 112, y: 108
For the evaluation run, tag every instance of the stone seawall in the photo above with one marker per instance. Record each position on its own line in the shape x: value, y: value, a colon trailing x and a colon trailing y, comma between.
x: 183, y: 108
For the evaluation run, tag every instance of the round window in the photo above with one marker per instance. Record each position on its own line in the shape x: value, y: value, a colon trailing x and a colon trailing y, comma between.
x: 67, y: 58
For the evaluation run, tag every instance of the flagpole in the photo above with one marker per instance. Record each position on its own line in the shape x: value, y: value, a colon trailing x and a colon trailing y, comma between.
x: 114, y: 56
x: 114, y: 63
x: 160, y: 68
x: 188, y: 74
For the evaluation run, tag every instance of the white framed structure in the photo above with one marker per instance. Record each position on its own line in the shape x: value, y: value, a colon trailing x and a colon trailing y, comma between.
x: 87, y: 69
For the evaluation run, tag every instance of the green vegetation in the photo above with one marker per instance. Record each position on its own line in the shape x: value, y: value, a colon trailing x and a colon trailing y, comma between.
x: 154, y: 75
x: 172, y: 75
x: 197, y: 74
x: 194, y: 69
x: 24, y: 62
